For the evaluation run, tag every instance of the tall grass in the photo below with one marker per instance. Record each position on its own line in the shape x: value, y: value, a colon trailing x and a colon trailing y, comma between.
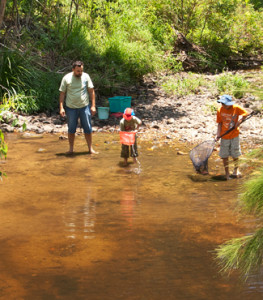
x: 3, y: 150
x: 246, y: 253
x: 231, y: 84
x: 252, y: 197
x: 183, y: 85
x: 24, y: 86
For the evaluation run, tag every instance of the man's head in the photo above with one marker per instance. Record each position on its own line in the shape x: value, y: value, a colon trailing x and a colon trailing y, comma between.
x: 226, y: 101
x: 77, y: 68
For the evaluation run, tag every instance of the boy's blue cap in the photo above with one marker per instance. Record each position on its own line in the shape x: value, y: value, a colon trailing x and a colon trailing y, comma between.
x: 226, y: 99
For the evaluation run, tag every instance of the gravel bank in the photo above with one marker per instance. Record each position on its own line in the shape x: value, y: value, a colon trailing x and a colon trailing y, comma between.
x: 188, y: 119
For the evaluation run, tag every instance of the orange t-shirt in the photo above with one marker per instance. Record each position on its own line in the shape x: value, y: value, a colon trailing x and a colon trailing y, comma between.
x: 228, y: 118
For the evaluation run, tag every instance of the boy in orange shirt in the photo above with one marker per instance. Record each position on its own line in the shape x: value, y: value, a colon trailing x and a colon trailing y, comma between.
x: 228, y: 117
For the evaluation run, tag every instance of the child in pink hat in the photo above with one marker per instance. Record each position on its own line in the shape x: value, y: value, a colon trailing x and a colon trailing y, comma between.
x: 129, y: 123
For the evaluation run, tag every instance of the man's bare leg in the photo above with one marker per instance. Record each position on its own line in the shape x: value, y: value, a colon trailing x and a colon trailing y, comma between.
x: 226, y: 166
x: 71, y: 139
x: 88, y: 137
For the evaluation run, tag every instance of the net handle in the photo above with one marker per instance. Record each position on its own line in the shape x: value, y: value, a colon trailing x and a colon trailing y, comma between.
x: 243, y: 120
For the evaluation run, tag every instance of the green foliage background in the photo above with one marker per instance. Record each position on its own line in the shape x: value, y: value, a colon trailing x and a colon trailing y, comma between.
x: 118, y: 40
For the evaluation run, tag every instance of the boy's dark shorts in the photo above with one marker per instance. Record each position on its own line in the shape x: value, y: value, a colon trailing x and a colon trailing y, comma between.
x: 129, y: 151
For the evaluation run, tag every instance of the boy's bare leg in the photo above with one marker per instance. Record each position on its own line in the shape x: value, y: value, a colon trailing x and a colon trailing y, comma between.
x: 88, y: 137
x: 226, y: 166
x: 236, y: 172
x: 71, y: 139
x: 134, y: 160
x: 125, y: 161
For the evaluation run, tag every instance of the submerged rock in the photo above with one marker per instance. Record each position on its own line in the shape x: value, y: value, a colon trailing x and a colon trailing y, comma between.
x: 28, y: 135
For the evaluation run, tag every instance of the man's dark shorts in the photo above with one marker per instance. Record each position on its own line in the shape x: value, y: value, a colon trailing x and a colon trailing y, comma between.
x: 84, y: 114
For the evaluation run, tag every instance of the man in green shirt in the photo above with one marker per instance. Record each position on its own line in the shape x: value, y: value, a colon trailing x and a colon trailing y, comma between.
x: 78, y: 90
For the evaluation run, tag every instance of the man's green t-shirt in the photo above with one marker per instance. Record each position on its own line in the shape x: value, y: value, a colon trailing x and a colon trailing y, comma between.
x: 77, y: 95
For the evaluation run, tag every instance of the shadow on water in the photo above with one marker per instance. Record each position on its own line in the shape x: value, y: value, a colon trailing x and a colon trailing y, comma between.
x: 88, y: 228
x: 204, y: 178
x: 73, y: 154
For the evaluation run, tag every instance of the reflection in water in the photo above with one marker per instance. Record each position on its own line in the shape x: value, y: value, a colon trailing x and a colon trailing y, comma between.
x: 80, y: 219
x: 128, y: 204
x: 137, y: 170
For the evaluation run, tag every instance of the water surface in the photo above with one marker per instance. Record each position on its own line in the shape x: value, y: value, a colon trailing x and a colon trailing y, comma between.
x: 84, y: 227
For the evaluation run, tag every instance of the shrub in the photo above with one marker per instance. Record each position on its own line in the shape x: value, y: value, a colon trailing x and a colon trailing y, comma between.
x: 234, y: 85
x: 182, y: 85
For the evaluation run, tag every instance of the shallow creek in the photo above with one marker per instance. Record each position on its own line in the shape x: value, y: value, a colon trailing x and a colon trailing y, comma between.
x: 85, y: 227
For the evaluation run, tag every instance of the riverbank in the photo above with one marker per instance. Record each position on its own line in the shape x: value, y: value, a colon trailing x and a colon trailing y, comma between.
x: 166, y: 118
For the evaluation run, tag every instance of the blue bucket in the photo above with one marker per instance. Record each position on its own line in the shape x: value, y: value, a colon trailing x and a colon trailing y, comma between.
x: 103, y: 113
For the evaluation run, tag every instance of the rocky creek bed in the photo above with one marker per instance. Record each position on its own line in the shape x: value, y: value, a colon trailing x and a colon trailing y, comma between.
x: 190, y: 118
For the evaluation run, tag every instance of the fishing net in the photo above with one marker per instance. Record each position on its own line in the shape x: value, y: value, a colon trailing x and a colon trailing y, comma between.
x: 127, y: 137
x: 200, y: 154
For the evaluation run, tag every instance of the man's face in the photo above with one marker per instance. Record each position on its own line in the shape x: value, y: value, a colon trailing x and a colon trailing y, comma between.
x: 77, y: 71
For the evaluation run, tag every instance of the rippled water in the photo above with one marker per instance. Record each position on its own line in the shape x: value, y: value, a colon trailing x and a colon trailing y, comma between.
x: 84, y: 227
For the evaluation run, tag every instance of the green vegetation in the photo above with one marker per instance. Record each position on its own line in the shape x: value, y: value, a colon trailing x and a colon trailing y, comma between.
x: 246, y: 253
x: 230, y: 84
x: 119, y: 42
x: 256, y: 153
x: 252, y: 198
x: 3, y: 150
x: 183, y: 85
x: 190, y: 83
x: 212, y: 107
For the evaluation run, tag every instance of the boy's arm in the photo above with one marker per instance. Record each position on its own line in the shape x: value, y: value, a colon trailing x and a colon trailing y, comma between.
x: 139, y: 123
x: 244, y: 115
x: 122, y: 128
x: 219, y: 127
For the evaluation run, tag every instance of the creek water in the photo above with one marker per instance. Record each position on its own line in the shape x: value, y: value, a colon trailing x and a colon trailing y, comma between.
x: 85, y: 227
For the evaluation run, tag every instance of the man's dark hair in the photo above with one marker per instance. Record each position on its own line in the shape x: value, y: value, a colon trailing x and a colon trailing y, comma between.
x: 77, y: 63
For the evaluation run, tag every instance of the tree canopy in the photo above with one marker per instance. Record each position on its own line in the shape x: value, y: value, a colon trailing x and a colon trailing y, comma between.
x: 119, y: 41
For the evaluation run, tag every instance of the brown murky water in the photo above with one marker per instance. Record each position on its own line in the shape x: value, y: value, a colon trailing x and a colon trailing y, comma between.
x: 84, y: 227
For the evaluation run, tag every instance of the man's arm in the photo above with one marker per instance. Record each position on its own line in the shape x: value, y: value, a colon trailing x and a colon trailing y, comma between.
x: 92, y: 99
x: 61, y: 103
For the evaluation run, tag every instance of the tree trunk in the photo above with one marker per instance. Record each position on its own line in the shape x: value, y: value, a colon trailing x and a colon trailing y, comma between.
x: 2, y: 11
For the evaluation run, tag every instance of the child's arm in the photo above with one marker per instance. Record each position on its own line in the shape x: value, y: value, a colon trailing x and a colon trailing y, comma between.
x: 138, y: 124
x: 219, y: 127
x: 241, y: 120
x: 122, y: 128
